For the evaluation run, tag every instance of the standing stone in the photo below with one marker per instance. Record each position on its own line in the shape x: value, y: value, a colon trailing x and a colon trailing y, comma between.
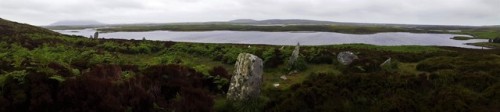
x: 96, y: 35
x: 295, y: 55
x: 386, y: 62
x: 245, y: 83
x: 346, y: 57
x: 389, y: 65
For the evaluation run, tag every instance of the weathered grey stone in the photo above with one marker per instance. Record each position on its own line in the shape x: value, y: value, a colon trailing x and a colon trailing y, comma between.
x: 346, y: 57
x: 295, y: 54
x: 96, y: 35
x: 247, y: 80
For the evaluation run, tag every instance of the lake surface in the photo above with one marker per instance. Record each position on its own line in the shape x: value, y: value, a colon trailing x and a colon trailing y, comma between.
x: 288, y: 38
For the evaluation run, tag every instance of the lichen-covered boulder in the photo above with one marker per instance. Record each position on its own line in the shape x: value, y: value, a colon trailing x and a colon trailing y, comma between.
x: 346, y: 57
x: 247, y: 80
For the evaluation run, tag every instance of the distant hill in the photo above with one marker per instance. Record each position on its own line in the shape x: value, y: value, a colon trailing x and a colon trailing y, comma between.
x: 318, y: 22
x: 283, y: 21
x: 76, y: 23
x: 8, y: 28
x: 294, y: 21
x: 243, y: 21
x: 496, y: 26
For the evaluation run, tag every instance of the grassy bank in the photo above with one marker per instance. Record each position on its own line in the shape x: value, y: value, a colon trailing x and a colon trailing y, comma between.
x: 231, y: 27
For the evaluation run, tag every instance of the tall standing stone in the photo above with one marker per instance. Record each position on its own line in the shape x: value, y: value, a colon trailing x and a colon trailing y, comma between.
x: 245, y: 83
x: 295, y: 54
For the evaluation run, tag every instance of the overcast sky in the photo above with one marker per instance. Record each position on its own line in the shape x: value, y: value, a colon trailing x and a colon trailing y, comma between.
x: 439, y: 12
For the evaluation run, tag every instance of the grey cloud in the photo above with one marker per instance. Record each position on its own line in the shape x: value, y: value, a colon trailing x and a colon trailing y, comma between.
x: 459, y: 12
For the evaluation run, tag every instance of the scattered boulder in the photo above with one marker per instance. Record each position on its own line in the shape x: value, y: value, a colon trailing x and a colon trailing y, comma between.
x: 284, y: 77
x: 247, y: 80
x: 346, y: 57
x: 276, y: 85
x: 293, y: 72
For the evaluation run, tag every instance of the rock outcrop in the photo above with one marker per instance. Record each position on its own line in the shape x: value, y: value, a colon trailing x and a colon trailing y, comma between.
x: 346, y: 57
x: 247, y: 80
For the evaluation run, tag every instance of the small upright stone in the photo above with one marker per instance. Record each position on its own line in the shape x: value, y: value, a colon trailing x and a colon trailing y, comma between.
x: 247, y: 80
x: 96, y: 35
x: 390, y: 65
x: 346, y: 57
x: 386, y: 62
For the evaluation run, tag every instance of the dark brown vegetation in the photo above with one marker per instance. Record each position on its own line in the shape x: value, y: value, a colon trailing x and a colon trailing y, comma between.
x: 158, y: 88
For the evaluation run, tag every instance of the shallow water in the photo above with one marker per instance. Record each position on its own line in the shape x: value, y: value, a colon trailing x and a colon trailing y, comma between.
x: 288, y: 38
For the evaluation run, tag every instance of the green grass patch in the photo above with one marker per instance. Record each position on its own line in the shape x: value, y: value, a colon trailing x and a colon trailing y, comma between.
x: 272, y: 76
x: 487, y: 44
x: 485, y: 33
x: 461, y: 38
x: 401, y: 49
x: 408, y: 68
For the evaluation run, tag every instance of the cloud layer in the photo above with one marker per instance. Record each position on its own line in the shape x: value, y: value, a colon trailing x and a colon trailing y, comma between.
x: 440, y: 12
